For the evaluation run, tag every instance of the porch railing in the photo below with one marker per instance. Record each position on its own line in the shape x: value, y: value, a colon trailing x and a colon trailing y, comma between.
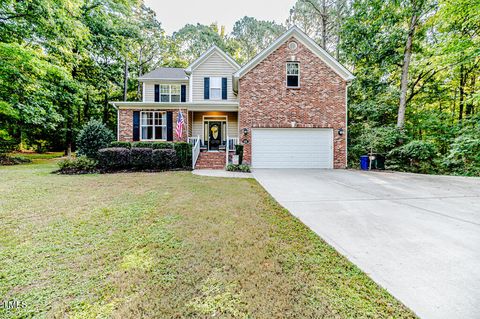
x: 232, y: 141
x: 195, y: 149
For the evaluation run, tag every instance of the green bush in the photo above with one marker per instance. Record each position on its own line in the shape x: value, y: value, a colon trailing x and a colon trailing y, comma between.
x: 162, y: 145
x: 92, y: 137
x: 415, y: 156
x: 77, y: 165
x: 464, y: 155
x: 239, y: 152
x: 114, y: 158
x: 184, y: 154
x: 238, y: 168
x: 40, y: 146
x: 164, y: 159
x: 143, y: 144
x: 121, y: 144
x: 6, y: 159
x: 141, y: 157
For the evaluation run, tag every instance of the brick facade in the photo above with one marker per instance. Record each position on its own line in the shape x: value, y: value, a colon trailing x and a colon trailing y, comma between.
x: 125, y: 120
x: 266, y: 102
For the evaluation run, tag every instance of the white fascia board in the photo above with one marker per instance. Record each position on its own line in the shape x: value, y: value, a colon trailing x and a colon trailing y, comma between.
x: 308, y: 42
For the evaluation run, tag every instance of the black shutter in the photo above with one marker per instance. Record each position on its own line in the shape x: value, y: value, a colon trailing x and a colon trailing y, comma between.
x: 157, y: 93
x: 224, y: 88
x: 183, y: 97
x: 206, y: 88
x: 169, y: 126
x: 136, y: 125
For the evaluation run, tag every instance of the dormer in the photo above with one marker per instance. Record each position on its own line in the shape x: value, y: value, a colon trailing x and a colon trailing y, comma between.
x: 166, y: 85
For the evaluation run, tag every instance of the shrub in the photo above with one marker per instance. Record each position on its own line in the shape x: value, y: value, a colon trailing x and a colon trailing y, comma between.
x: 238, y: 168
x: 141, y: 157
x: 239, y: 152
x: 92, y: 137
x: 6, y: 159
x: 164, y: 159
x: 40, y: 146
x: 184, y: 154
x: 162, y: 145
x: 121, y: 144
x: 77, y: 165
x: 142, y: 144
x: 114, y: 158
x: 464, y: 155
x: 415, y: 156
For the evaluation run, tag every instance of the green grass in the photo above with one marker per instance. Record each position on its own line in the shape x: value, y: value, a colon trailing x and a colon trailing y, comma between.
x: 168, y: 245
x: 38, y: 156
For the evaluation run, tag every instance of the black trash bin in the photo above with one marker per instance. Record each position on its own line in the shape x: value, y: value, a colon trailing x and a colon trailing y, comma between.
x: 378, y: 161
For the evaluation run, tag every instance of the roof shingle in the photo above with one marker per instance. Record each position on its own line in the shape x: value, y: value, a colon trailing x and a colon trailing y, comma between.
x: 166, y: 73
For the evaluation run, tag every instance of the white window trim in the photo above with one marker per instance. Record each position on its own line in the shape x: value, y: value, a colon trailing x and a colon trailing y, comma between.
x: 210, y: 93
x: 169, y: 93
x: 153, y: 126
x: 286, y: 75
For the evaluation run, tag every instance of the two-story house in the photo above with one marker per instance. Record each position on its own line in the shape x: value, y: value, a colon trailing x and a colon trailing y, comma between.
x: 287, y: 106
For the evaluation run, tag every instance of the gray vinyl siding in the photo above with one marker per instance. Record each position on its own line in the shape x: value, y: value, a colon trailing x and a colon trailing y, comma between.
x: 150, y: 90
x: 197, y: 125
x: 213, y: 66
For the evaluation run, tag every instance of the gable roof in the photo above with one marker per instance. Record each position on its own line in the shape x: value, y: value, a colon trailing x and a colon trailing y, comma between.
x: 208, y: 53
x: 305, y: 40
x: 165, y: 74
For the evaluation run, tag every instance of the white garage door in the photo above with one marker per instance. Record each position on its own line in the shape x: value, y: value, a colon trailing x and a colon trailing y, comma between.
x: 292, y: 148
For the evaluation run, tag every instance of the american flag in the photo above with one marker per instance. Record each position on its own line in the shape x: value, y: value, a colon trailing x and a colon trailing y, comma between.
x: 180, y: 122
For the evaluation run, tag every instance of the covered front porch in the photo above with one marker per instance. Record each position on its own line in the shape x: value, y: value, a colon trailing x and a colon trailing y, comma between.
x: 216, y: 131
x: 213, y: 135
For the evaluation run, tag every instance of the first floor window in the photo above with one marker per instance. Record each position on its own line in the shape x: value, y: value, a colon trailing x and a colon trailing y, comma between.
x: 153, y: 125
x: 215, y: 88
x: 293, y: 74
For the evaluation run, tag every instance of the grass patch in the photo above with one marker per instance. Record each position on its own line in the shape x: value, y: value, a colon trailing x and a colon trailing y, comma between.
x: 168, y: 245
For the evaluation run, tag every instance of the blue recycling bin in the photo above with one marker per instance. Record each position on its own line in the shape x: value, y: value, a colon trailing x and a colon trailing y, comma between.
x: 364, y: 162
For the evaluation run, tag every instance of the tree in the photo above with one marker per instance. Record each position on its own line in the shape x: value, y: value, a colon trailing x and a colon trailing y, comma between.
x: 253, y: 35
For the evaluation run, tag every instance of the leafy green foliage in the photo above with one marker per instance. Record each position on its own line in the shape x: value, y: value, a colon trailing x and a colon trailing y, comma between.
x: 121, y: 144
x: 415, y: 156
x: 114, y: 158
x: 7, y: 159
x: 77, y: 165
x: 92, y: 137
x: 164, y: 159
x: 141, y: 157
x: 184, y: 154
x: 238, y: 168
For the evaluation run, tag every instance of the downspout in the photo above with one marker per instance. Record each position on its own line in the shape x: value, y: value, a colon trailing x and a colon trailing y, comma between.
x: 118, y: 121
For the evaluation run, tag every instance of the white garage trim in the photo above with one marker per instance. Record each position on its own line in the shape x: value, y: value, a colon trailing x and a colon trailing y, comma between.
x: 292, y: 148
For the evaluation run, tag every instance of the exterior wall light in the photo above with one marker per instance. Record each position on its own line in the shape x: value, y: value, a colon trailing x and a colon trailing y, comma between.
x: 245, y: 131
x: 245, y: 141
x: 340, y: 131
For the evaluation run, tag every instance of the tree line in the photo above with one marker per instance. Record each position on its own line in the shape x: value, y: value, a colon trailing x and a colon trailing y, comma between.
x: 415, y: 98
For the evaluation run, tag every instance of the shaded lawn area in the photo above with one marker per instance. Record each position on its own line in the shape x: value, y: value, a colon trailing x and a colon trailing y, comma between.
x: 168, y: 245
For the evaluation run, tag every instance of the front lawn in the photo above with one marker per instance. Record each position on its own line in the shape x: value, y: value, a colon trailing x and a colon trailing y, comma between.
x: 167, y: 245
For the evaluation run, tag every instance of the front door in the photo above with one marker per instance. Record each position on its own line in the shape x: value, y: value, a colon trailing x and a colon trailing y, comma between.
x: 214, y: 135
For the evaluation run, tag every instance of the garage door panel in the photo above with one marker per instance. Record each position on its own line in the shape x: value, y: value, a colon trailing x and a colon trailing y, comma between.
x: 292, y: 148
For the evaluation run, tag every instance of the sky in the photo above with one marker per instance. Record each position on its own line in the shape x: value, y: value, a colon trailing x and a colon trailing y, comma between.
x: 174, y: 14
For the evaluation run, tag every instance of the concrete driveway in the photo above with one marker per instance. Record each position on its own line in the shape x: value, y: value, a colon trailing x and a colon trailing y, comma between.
x: 418, y: 236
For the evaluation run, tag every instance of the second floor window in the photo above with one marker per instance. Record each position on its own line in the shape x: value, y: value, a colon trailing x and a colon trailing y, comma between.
x: 293, y: 74
x: 215, y: 88
x: 169, y: 93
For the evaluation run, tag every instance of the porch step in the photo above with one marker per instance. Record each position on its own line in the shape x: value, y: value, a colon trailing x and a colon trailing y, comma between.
x: 211, y: 160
